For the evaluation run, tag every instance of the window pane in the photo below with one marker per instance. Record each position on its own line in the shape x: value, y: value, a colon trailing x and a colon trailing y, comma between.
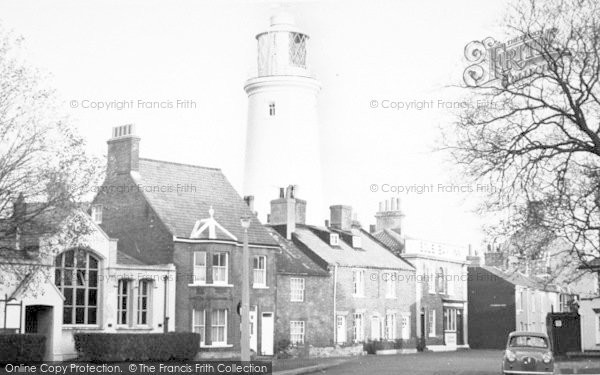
x: 93, y: 262
x: 93, y: 279
x: 69, y: 260
x: 92, y: 296
x: 68, y: 277
x: 67, y: 315
x: 80, y: 277
x: 81, y: 261
x: 91, y: 315
x: 68, y: 293
x: 80, y: 297
x: 200, y: 258
x: 79, y: 315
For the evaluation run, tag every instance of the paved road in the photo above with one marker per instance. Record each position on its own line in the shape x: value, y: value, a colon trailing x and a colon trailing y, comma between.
x: 468, y: 362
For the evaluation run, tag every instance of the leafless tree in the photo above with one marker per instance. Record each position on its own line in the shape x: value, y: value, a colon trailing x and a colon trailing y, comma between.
x: 534, y: 128
x: 44, y: 170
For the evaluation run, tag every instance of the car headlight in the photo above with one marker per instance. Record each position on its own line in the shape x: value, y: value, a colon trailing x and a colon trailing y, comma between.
x: 510, y: 356
x: 547, y: 357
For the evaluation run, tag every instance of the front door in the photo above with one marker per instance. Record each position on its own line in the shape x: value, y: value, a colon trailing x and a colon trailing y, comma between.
x: 460, y: 337
x: 341, y: 329
x: 253, y: 330
x: 375, y: 328
x: 266, y: 334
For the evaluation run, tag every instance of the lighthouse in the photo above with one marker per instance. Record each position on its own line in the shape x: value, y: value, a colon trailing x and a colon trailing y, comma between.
x: 282, y: 145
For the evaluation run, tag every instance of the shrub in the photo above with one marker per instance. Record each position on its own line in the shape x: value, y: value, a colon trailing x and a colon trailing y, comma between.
x: 113, y: 347
x: 27, y: 347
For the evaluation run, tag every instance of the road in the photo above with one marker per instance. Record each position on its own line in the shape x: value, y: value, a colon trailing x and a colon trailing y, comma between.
x: 468, y: 362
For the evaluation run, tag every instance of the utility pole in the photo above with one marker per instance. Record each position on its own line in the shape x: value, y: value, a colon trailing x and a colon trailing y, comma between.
x: 245, y: 344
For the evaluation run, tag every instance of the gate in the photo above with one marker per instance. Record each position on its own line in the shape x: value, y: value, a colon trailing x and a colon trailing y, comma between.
x: 564, y: 330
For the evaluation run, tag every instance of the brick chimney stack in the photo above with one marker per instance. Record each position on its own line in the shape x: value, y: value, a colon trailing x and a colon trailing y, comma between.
x: 288, y: 210
x: 389, y: 216
x: 123, y: 151
x: 341, y: 217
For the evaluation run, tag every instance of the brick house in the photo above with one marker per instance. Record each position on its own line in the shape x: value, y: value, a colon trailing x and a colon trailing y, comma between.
x: 190, y: 216
x: 441, y: 292
x: 513, y: 301
x: 372, y: 291
x: 304, y: 298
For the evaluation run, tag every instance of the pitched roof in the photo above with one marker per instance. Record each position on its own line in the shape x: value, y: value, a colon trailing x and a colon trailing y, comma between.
x: 391, y: 239
x: 128, y: 260
x: 292, y: 261
x: 182, y: 194
x: 517, y: 278
x: 372, y: 254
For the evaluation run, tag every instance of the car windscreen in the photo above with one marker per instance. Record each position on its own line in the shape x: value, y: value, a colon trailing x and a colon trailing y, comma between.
x: 528, y: 341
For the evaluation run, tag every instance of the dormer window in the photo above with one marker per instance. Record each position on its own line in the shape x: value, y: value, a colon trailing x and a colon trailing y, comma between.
x: 356, y: 242
x: 334, y: 239
x: 97, y: 213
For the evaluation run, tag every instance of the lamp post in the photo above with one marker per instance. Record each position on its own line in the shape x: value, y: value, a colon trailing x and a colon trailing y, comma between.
x: 245, y: 293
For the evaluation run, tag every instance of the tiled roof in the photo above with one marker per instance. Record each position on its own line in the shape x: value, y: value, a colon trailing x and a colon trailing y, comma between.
x: 128, y: 260
x: 200, y: 188
x: 372, y: 253
x: 517, y: 278
x: 292, y: 261
x: 391, y: 239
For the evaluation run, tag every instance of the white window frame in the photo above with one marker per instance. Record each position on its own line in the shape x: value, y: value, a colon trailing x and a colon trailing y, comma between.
x: 259, y: 275
x: 358, y: 282
x: 391, y: 285
x: 334, y: 239
x: 124, y: 295
x: 297, y: 332
x: 148, y: 310
x: 214, y: 326
x: 272, y: 109
x: 431, y: 320
x: 199, y: 271
x: 390, y: 326
x: 450, y: 317
x: 356, y: 242
x: 199, y: 327
x: 297, y: 287
x: 405, y: 322
x: 97, y: 213
x: 220, y: 268
x: 358, y: 330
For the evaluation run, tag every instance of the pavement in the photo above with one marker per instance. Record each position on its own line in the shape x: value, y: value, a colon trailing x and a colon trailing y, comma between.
x: 466, y: 362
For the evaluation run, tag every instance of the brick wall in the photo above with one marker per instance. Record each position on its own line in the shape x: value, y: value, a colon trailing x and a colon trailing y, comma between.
x: 127, y: 216
x: 374, y: 300
x: 226, y: 297
x: 316, y: 310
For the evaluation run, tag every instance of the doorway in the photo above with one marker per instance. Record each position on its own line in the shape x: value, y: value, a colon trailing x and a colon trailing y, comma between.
x: 253, y: 330
x: 341, y: 329
x: 39, y: 319
x: 266, y: 333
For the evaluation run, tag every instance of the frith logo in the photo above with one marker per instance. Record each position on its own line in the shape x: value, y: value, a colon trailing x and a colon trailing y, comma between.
x: 507, y: 63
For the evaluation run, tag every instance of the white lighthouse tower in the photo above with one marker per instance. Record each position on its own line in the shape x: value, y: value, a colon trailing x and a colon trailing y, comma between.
x: 283, y: 129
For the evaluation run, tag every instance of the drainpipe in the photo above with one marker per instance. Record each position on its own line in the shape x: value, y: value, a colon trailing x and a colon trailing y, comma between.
x: 165, y: 317
x: 335, y: 267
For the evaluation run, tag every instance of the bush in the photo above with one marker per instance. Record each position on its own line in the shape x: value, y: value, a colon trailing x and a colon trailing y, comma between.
x: 113, y: 347
x: 27, y: 347
x: 371, y: 347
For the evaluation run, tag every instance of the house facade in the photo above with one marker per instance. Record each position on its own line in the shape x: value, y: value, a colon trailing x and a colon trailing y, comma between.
x: 372, y: 291
x: 441, y: 290
x: 304, y: 298
x: 513, y: 301
x: 589, y: 309
x: 190, y: 216
x: 84, y: 284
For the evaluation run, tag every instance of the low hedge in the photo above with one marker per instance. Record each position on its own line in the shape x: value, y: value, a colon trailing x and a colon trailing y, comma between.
x: 26, y: 347
x: 371, y: 347
x: 113, y: 347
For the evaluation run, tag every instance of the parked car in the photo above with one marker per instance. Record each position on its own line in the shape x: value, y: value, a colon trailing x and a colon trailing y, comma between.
x: 528, y: 353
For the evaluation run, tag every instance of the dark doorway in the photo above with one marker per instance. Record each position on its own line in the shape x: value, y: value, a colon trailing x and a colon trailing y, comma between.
x: 460, y: 335
x: 39, y: 319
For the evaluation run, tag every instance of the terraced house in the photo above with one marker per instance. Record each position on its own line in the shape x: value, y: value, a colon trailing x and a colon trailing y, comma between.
x: 369, y: 294
x: 165, y: 212
x: 441, y: 292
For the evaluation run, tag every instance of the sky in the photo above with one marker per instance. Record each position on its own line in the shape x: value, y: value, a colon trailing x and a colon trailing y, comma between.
x: 368, y: 55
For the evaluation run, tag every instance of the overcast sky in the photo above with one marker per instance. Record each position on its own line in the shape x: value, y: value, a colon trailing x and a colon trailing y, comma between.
x: 203, y: 51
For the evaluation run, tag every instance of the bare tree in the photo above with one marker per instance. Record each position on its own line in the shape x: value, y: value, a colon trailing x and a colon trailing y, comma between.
x: 534, y: 131
x: 44, y: 170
